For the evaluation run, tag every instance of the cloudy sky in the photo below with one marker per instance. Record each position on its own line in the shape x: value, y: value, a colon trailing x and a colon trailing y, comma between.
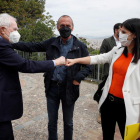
x: 94, y: 17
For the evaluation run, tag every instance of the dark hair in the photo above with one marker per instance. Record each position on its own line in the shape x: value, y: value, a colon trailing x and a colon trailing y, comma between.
x: 133, y: 25
x: 116, y: 26
x: 65, y: 16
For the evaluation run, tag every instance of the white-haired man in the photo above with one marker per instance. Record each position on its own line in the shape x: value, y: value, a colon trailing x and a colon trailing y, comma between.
x: 11, y: 106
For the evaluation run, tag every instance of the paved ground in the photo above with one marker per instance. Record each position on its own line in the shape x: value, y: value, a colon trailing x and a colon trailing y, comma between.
x: 33, y: 124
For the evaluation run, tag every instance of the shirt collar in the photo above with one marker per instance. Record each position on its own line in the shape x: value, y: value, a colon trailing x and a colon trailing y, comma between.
x: 68, y: 41
x: 0, y: 37
x: 115, y: 38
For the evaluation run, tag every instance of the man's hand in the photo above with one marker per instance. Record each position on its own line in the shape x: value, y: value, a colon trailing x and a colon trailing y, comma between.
x: 70, y: 62
x: 76, y: 83
x: 60, y: 61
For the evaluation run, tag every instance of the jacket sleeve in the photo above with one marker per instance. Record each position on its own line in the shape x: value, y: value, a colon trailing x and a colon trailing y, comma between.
x: 31, y: 46
x: 104, y: 47
x: 86, y: 70
x: 103, y: 58
x: 10, y: 58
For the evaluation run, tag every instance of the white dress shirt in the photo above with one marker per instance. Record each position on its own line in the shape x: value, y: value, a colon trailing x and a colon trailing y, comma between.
x: 118, y: 43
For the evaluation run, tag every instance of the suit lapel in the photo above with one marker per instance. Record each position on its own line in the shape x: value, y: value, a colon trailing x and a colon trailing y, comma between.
x: 131, y: 66
x: 112, y: 42
x: 116, y: 55
x: 130, y: 69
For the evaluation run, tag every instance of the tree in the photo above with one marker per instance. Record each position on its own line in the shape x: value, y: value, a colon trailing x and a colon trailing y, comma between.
x: 33, y: 25
x: 39, y: 31
x: 84, y: 40
x: 26, y: 11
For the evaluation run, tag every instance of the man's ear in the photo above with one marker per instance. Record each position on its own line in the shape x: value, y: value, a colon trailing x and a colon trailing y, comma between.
x: 72, y: 28
x: 2, y: 28
x: 116, y: 30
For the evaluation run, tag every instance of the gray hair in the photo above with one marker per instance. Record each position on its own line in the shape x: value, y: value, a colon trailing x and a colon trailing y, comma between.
x: 65, y: 16
x: 5, y: 20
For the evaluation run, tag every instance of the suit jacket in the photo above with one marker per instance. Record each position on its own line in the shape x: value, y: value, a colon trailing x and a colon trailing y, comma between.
x: 131, y: 85
x: 107, y: 45
x: 11, y: 106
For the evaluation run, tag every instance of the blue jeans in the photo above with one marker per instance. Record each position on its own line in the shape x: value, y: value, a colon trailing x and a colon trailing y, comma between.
x: 55, y: 94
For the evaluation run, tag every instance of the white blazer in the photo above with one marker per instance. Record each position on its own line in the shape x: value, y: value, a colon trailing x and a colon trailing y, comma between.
x: 131, y: 85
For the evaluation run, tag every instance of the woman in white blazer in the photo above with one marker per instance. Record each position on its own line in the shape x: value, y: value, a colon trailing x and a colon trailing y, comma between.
x: 120, y: 101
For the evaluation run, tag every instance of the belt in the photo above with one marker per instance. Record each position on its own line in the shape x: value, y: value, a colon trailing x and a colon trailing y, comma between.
x: 58, y: 83
x: 112, y: 98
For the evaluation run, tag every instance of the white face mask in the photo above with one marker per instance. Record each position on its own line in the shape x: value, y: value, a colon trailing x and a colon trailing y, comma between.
x: 123, y: 39
x: 14, y: 36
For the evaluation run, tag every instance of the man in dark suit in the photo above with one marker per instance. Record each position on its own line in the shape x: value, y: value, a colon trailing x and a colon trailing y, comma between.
x: 63, y: 84
x: 107, y: 45
x: 11, y: 106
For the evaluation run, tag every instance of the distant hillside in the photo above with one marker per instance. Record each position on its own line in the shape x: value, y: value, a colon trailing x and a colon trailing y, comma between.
x: 95, y: 37
x: 95, y: 43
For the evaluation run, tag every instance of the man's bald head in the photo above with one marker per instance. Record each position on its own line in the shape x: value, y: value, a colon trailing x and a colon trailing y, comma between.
x: 64, y: 17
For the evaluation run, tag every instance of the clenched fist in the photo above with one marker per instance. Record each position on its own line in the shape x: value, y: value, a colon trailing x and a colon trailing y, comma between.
x: 60, y: 61
x: 70, y: 62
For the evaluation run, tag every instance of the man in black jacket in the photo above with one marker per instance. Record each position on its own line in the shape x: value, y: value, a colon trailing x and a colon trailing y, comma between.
x: 63, y: 83
x: 11, y: 106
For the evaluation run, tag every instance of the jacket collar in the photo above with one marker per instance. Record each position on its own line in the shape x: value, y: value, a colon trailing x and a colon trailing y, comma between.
x: 4, y: 42
x: 75, y: 46
x: 112, y: 41
x: 131, y: 66
x: 130, y: 69
x: 117, y: 54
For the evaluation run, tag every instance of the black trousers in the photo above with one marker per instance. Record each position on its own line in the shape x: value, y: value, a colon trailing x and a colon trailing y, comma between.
x: 112, y: 112
x: 6, y: 131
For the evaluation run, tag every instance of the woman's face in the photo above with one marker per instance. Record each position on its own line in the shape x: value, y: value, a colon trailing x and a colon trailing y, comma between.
x: 131, y: 36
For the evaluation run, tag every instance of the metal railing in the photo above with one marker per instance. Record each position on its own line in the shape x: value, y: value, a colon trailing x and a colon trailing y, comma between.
x: 97, y: 74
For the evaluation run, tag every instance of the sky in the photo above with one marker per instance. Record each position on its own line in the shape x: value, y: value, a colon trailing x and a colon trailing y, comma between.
x: 94, y: 18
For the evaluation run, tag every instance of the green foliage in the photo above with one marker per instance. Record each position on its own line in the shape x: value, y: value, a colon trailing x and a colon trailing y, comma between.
x: 82, y: 39
x: 95, y: 52
x: 39, y: 32
x: 33, y: 25
x: 90, y: 49
x: 37, y: 56
x: 26, y: 11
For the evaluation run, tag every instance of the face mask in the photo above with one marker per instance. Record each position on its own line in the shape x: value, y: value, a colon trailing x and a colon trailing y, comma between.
x: 14, y: 36
x: 65, y: 32
x: 123, y: 39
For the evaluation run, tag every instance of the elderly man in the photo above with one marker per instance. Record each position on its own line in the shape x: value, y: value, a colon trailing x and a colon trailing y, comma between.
x: 63, y: 84
x: 11, y: 106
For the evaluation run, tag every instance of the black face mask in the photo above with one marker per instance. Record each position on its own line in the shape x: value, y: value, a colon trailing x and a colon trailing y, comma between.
x: 65, y: 32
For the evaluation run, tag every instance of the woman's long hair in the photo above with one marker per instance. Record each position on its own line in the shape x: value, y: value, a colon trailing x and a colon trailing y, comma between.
x: 133, y: 25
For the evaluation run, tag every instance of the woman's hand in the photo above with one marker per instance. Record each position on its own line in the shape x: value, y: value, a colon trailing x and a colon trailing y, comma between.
x: 70, y: 62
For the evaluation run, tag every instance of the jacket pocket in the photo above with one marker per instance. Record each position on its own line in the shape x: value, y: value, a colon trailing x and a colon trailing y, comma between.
x: 75, y: 92
x: 136, y: 100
